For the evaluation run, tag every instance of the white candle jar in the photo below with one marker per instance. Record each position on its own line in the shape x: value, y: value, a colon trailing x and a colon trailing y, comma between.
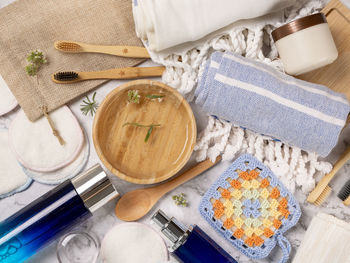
x: 305, y: 44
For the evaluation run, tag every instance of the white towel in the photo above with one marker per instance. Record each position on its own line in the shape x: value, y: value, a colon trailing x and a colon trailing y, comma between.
x: 167, y: 23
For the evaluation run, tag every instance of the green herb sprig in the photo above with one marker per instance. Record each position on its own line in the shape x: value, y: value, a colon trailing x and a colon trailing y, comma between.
x: 36, y: 59
x: 180, y: 200
x: 150, y: 128
x: 152, y: 97
x: 133, y: 96
x: 89, y: 106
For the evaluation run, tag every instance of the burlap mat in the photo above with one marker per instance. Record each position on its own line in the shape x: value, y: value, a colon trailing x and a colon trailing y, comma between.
x: 26, y: 25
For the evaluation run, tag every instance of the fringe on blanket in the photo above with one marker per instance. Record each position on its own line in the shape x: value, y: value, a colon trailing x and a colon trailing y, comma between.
x: 294, y: 167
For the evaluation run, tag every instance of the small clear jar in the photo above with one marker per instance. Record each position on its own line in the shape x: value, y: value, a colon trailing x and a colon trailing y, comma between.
x: 305, y: 44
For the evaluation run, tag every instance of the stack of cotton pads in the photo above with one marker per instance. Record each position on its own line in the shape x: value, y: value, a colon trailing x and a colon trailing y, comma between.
x: 12, y: 178
x: 7, y: 101
x: 39, y: 152
x: 133, y: 242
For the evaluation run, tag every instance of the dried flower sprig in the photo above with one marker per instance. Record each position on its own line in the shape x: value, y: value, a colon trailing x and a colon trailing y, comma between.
x: 89, y: 106
x: 133, y: 96
x: 180, y: 200
x: 36, y: 59
x: 150, y: 128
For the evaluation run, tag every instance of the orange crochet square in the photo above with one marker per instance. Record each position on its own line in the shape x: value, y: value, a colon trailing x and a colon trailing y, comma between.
x: 228, y: 223
x: 284, y: 202
x: 236, y: 184
x: 253, y: 174
x: 218, y: 213
x: 249, y: 241
x: 275, y: 193
x: 244, y: 175
x: 264, y: 183
x: 285, y: 212
x: 218, y: 205
x: 226, y: 194
x: 277, y: 224
x: 268, y: 232
x: 258, y: 241
x: 238, y: 233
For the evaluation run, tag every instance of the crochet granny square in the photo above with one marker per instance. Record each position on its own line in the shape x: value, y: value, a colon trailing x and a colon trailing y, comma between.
x: 251, y: 208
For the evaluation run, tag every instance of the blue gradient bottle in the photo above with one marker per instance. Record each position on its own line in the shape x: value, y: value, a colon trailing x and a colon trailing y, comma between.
x: 190, y: 245
x: 39, y: 223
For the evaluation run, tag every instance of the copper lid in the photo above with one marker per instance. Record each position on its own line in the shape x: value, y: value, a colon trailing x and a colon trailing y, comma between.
x: 297, y: 25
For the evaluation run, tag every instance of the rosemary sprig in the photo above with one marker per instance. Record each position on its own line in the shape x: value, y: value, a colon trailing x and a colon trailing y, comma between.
x: 152, y: 96
x: 89, y: 106
x: 149, y: 131
x: 133, y: 96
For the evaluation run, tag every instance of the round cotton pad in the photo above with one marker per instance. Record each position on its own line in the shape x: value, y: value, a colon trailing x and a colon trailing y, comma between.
x: 133, y: 242
x: 12, y: 178
x: 7, y: 101
x: 37, y: 149
x: 62, y: 174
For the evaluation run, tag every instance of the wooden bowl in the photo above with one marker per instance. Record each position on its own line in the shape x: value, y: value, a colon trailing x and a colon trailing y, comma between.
x: 122, y: 148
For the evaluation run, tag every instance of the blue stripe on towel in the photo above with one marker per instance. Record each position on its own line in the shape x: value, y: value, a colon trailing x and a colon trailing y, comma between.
x: 255, y: 96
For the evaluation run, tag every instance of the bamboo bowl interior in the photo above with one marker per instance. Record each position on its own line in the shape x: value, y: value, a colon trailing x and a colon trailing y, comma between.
x: 123, y: 150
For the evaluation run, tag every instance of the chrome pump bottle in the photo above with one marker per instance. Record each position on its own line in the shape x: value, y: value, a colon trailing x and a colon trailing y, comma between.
x: 190, y: 245
x: 40, y: 222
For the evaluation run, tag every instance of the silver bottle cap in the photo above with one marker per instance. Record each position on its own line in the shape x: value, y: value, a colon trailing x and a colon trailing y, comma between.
x: 94, y: 188
x: 173, y: 230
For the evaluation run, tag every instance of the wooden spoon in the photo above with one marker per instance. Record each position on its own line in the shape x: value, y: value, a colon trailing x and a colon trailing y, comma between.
x: 136, y: 204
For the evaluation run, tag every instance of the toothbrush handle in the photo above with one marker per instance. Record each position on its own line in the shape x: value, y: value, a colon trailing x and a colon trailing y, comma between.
x: 340, y: 163
x: 121, y: 51
x: 123, y: 73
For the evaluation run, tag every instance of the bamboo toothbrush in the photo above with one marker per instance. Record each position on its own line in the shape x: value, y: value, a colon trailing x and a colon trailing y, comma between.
x: 344, y: 193
x: 323, y: 190
x: 67, y: 77
x: 121, y: 51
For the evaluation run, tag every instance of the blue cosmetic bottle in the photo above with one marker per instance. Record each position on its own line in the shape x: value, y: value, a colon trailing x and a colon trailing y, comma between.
x: 190, y: 245
x: 40, y: 222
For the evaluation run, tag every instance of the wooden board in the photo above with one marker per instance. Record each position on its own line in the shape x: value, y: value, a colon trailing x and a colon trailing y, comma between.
x: 336, y: 76
x: 123, y: 149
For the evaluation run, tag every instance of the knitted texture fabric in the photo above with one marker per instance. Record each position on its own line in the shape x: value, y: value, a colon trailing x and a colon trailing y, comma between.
x: 251, y: 208
x: 252, y: 39
x: 254, y: 95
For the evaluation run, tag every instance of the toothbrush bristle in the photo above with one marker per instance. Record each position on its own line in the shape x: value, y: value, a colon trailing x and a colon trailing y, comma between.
x: 344, y: 192
x: 323, y: 196
x: 68, y: 46
x: 66, y: 76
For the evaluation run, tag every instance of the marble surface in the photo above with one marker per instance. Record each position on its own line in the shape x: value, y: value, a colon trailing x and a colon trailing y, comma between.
x: 104, y: 218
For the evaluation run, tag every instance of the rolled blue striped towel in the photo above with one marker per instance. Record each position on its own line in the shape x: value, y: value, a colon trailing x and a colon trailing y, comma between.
x: 254, y: 95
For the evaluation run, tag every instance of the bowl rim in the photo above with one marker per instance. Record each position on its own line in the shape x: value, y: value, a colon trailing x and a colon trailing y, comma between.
x: 104, y: 160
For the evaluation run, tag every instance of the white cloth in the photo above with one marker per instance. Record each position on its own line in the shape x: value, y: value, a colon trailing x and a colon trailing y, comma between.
x: 38, y: 149
x: 7, y: 101
x: 131, y: 243
x: 167, y: 23
x: 12, y: 177
x: 67, y: 172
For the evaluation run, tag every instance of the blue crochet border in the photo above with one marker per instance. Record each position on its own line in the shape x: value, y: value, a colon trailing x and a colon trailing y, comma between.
x: 205, y: 207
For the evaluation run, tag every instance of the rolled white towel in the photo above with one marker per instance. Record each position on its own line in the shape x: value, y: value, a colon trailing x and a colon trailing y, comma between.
x: 167, y: 23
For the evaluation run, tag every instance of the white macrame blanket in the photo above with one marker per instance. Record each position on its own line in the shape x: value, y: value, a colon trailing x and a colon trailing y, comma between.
x: 294, y: 167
